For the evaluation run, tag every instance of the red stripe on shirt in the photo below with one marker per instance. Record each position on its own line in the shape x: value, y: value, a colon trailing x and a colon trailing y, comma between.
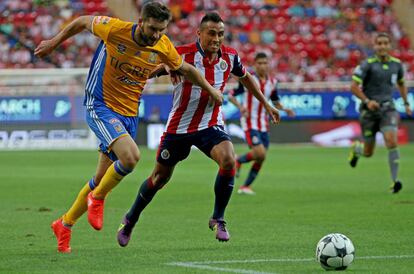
x: 185, y: 99
x: 198, y: 114
x: 260, y: 108
x: 214, y: 116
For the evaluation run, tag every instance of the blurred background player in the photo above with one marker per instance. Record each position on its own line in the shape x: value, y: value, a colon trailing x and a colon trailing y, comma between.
x: 193, y: 121
x: 378, y: 75
x: 255, y: 121
x: 122, y: 63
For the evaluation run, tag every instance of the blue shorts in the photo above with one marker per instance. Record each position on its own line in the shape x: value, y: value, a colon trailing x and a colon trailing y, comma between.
x: 255, y: 138
x: 176, y: 147
x: 109, y: 126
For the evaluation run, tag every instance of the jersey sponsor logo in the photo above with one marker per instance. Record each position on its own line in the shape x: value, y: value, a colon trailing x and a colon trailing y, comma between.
x: 101, y: 20
x: 165, y: 154
x: 128, y: 68
x: 124, y: 79
x: 153, y: 57
x: 121, y: 48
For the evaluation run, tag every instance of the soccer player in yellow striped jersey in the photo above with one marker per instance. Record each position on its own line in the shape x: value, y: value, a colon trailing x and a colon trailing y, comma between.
x: 122, y: 63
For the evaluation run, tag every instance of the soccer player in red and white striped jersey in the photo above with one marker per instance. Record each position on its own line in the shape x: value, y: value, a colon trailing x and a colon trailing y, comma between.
x: 255, y: 120
x: 194, y: 120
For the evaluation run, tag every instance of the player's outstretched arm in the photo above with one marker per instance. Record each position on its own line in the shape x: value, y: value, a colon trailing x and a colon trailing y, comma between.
x: 403, y: 92
x: 79, y: 24
x: 252, y: 87
x: 192, y: 74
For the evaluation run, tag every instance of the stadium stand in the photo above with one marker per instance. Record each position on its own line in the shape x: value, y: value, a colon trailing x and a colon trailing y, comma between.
x: 321, y: 40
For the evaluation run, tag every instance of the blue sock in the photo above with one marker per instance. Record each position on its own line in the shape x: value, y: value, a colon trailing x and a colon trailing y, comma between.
x: 223, y: 189
x: 252, y: 174
x: 145, y: 194
x: 245, y: 158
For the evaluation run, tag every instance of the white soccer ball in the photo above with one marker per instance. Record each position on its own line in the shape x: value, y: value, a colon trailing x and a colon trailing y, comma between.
x: 335, y: 252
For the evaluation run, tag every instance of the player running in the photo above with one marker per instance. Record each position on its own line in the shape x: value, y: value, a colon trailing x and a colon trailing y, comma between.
x: 193, y: 121
x: 255, y: 120
x: 378, y: 75
x: 122, y: 63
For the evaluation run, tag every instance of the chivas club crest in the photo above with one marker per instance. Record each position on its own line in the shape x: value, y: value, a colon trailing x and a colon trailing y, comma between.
x: 223, y: 65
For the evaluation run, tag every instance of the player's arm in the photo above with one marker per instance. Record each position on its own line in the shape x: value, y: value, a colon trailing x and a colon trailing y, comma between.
x: 79, y: 24
x: 404, y: 92
x: 252, y: 87
x: 194, y: 76
x: 234, y: 101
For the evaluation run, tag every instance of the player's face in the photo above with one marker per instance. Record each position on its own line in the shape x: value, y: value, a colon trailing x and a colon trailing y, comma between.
x: 152, y: 30
x: 382, y: 46
x: 262, y: 66
x: 211, y: 36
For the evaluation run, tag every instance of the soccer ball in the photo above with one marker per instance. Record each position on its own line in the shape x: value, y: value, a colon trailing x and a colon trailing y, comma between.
x: 335, y: 252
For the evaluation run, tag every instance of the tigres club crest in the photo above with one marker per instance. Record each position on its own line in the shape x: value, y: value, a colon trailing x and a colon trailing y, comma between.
x: 223, y: 65
x: 165, y: 154
x: 153, y: 57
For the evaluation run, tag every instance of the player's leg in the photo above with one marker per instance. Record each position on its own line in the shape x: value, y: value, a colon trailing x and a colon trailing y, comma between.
x: 216, y: 144
x: 62, y: 227
x: 245, y: 158
x: 116, y: 134
x: 128, y: 155
x: 389, y: 128
x: 159, y: 177
x: 172, y: 149
x: 369, y: 126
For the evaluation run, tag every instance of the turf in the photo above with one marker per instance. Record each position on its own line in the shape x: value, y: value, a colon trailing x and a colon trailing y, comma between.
x: 303, y: 193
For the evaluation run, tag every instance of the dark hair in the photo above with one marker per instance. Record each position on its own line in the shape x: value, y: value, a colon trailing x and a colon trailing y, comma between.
x: 211, y: 17
x: 383, y: 34
x: 260, y: 55
x: 155, y: 10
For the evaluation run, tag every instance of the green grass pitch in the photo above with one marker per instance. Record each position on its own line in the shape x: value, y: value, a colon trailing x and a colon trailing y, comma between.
x: 303, y: 193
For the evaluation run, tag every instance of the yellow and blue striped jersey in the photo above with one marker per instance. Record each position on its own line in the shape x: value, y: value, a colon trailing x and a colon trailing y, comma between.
x: 120, y: 67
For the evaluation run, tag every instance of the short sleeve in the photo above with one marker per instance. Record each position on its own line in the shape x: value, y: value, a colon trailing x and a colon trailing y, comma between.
x: 171, y: 57
x: 102, y: 25
x: 239, y: 90
x: 238, y: 68
x: 274, y: 96
x: 360, y: 72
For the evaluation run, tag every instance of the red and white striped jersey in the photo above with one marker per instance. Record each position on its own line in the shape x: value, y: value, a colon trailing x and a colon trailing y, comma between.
x: 190, y: 111
x: 257, y: 119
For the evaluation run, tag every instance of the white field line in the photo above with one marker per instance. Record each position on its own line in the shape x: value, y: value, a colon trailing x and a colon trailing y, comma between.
x: 206, y: 265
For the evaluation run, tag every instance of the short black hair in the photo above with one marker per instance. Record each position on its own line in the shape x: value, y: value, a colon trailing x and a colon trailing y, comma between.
x: 260, y: 55
x: 155, y: 10
x: 382, y: 34
x: 211, y: 17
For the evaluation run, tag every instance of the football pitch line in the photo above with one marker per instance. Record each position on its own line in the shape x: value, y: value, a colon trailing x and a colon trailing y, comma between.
x: 206, y: 265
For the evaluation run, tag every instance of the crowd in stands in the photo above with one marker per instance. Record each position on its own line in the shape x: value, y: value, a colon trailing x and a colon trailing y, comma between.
x: 318, y: 40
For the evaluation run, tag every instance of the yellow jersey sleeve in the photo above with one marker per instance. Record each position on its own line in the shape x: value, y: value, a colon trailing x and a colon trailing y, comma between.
x: 102, y: 25
x: 170, y: 56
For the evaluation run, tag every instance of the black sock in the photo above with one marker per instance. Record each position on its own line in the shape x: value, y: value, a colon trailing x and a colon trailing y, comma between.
x: 223, y: 189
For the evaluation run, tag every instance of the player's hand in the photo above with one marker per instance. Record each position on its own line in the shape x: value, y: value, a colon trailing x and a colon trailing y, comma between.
x: 373, y: 105
x: 408, y: 110
x: 274, y: 114
x: 216, y: 97
x: 244, y: 112
x: 44, y: 48
x: 290, y: 113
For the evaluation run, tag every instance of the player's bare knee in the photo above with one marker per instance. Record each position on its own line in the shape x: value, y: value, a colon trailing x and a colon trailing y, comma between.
x: 228, y: 162
x: 368, y: 154
x: 260, y: 157
x: 159, y: 179
x: 130, y: 160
